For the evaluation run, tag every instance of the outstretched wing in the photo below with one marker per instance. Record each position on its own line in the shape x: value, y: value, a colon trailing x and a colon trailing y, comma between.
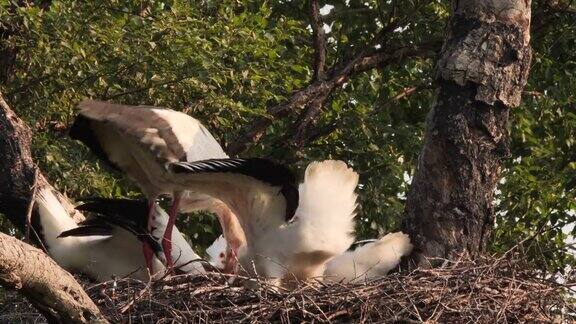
x: 169, y: 135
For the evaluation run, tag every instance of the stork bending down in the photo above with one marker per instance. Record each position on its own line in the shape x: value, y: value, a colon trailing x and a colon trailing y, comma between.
x: 291, y: 232
x: 141, y: 141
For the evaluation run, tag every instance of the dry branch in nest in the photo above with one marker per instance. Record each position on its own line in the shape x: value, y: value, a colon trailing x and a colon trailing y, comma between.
x: 487, y: 290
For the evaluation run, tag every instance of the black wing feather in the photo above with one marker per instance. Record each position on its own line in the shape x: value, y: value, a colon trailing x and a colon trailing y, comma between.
x: 267, y: 171
x: 120, y: 210
x: 130, y: 215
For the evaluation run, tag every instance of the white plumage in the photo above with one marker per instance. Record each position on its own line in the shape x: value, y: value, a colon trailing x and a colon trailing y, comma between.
x: 103, y: 256
x: 371, y: 260
x: 322, y: 227
x: 217, y: 252
x: 99, y: 257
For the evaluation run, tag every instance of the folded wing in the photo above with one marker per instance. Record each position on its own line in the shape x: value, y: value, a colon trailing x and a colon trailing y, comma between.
x: 239, y: 182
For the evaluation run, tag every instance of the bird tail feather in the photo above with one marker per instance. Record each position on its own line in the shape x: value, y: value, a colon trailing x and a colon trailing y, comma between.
x: 372, y: 260
x: 327, y: 206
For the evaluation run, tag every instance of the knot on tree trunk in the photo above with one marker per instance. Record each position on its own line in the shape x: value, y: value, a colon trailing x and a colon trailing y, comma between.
x: 492, y: 55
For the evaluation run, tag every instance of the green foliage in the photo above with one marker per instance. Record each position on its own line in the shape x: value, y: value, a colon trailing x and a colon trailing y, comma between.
x: 227, y: 61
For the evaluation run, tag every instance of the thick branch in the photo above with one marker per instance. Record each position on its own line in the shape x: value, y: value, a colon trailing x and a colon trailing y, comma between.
x: 17, y: 164
x: 53, y: 291
x: 49, y: 288
x: 307, y: 118
x: 310, y: 134
x: 319, y: 41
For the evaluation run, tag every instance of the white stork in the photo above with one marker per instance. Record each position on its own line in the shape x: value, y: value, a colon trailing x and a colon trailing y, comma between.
x: 128, y: 215
x: 372, y: 260
x: 291, y: 232
x: 101, y: 250
x: 141, y: 141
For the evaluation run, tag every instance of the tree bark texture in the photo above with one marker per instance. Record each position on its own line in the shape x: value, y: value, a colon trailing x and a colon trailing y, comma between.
x: 18, y: 169
x: 52, y: 290
x: 481, y: 73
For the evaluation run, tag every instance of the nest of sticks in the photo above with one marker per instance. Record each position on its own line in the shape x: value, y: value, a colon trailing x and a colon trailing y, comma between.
x: 485, y: 290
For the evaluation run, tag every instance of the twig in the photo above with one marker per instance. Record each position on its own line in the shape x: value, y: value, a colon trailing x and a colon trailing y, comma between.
x: 31, y: 205
x: 256, y: 129
x: 319, y: 41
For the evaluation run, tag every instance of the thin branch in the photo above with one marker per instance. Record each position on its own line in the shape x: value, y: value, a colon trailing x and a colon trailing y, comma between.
x: 311, y: 134
x: 147, y: 87
x: 319, y: 41
x: 307, y: 118
x: 402, y: 94
x: 256, y: 129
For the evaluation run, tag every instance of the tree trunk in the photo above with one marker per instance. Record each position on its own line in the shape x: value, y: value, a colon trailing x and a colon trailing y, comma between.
x: 52, y: 290
x: 481, y: 72
x: 18, y: 169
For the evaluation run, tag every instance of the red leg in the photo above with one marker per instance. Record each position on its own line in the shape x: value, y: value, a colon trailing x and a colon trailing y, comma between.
x: 148, y: 253
x: 167, y: 239
x: 231, y: 261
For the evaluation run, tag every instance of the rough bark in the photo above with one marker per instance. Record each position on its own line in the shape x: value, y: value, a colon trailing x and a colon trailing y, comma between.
x: 481, y: 73
x: 52, y: 290
x: 18, y: 168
